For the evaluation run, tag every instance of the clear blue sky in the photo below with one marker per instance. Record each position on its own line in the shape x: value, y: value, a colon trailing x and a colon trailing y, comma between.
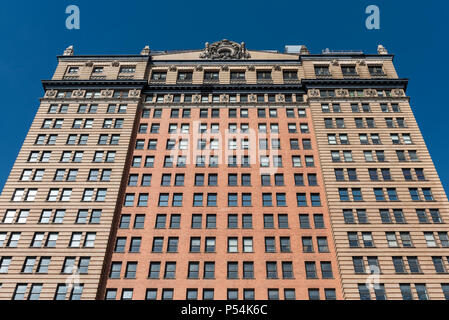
x: 33, y: 33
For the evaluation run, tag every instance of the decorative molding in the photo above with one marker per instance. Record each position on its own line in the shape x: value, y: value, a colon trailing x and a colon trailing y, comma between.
x: 304, y: 50
x: 89, y: 64
x: 134, y: 93
x: 342, y: 92
x: 224, y: 68
x: 252, y: 98
x: 172, y: 68
x: 225, y: 50
x: 361, y: 62
x: 168, y: 98
x: 381, y: 49
x: 51, y: 93
x: 196, y: 98
x: 78, y: 93
x: 397, y: 93
x: 370, y: 93
x: 107, y: 93
x: 313, y: 93
x: 115, y: 63
x: 335, y: 63
x: 199, y: 68
x: 280, y: 98
x: 251, y: 67
x: 68, y: 51
x: 224, y: 98
x: 145, y: 51
x: 277, y: 68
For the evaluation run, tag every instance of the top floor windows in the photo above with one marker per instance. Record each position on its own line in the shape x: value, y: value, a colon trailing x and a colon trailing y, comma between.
x: 73, y: 70
x: 159, y: 76
x: 290, y: 75
x: 185, y: 76
x: 348, y: 70
x: 97, y: 70
x: 263, y: 75
x: 211, y: 75
x: 322, y: 71
x: 128, y: 69
x: 237, y: 75
x: 376, y: 70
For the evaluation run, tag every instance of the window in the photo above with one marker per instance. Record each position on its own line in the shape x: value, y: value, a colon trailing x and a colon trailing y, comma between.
x: 348, y: 70
x: 159, y: 76
x: 170, y: 270
x: 322, y: 71
x: 185, y: 76
x: 271, y: 268
x: 263, y: 75
x: 193, y: 271
x: 196, y: 221
x: 19, y: 292
x: 326, y: 270
x: 237, y: 75
x: 406, y: 291
x: 307, y: 244
x: 210, y: 75
x: 353, y: 240
x: 310, y: 270
x: 301, y: 200
x: 209, y: 270
x: 154, y: 270
x: 364, y: 292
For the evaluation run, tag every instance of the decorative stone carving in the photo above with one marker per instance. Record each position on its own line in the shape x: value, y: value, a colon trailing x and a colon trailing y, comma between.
x: 397, y: 93
x: 145, y: 51
x: 224, y: 98
x: 304, y: 50
x: 342, y: 92
x: 335, y: 62
x: 381, y: 49
x: 314, y: 93
x: 168, y: 98
x: 68, y: 51
x: 89, y: 64
x: 107, y: 93
x: 79, y: 93
x: 370, y: 93
x: 224, y: 68
x: 199, y: 68
x: 51, y: 93
x: 225, y: 50
x: 361, y: 62
x: 251, y: 68
x: 115, y: 63
x: 252, y: 98
x: 134, y: 93
x: 277, y: 68
x: 196, y: 98
x: 172, y: 68
x: 280, y: 98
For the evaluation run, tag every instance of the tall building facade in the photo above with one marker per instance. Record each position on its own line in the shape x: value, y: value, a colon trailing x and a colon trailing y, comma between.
x: 224, y: 173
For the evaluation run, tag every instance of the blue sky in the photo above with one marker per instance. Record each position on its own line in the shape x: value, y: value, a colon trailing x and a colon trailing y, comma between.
x: 33, y: 33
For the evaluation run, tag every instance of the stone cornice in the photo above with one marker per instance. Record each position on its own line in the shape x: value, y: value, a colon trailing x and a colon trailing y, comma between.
x: 355, y: 83
x: 124, y: 58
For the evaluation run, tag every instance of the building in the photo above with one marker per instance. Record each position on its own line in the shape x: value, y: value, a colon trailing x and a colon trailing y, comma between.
x: 224, y: 173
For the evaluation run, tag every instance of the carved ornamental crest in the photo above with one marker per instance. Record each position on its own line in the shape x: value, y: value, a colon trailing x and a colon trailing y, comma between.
x: 225, y: 50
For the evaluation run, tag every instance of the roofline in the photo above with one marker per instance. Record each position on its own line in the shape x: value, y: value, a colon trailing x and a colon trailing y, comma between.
x: 105, y: 57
